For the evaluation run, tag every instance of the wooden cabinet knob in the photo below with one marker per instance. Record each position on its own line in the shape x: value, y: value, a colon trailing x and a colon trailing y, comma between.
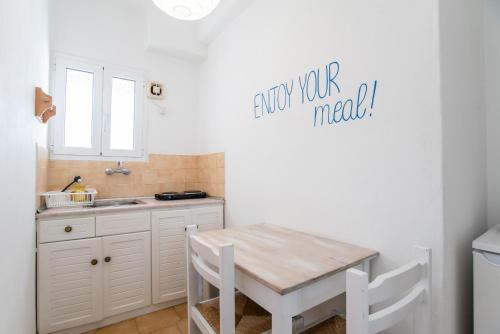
x: 94, y: 262
x: 68, y: 229
x: 107, y: 259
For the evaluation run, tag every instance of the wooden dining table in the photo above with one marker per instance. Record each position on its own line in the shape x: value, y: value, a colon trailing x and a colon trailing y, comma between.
x: 286, y: 271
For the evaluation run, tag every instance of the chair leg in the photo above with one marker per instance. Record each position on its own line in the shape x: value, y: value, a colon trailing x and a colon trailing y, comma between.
x: 192, y: 327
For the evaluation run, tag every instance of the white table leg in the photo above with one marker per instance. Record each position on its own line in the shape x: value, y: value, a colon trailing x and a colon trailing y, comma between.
x: 282, y: 324
x: 366, y: 268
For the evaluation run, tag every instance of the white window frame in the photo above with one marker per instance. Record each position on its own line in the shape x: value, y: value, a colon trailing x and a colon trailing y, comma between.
x: 101, y: 113
x: 58, y: 126
x: 110, y: 73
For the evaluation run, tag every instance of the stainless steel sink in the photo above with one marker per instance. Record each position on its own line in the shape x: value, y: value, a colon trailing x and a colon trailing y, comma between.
x: 116, y: 203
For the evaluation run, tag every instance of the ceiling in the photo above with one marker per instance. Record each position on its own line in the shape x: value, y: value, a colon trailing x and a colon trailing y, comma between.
x: 190, y: 39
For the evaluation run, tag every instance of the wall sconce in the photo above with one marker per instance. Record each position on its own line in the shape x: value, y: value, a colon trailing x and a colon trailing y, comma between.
x: 44, y: 109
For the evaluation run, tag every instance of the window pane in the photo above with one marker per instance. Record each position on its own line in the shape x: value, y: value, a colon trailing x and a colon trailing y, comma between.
x: 79, y: 101
x: 122, y: 114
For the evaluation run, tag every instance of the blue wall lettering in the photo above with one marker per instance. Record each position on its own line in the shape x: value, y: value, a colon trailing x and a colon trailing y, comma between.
x: 275, y: 98
x: 321, y: 84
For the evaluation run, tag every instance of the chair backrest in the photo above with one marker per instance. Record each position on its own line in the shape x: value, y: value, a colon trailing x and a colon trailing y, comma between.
x: 411, y: 284
x: 215, y: 266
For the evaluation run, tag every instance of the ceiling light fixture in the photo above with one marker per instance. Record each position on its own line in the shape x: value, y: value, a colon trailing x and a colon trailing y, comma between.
x: 189, y: 10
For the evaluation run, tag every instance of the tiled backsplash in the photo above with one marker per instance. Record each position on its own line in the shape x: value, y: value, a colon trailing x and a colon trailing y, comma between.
x: 161, y: 173
x: 41, y: 173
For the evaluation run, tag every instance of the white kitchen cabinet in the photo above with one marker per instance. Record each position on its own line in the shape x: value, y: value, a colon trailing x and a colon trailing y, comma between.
x: 70, y: 284
x: 168, y: 254
x: 95, y: 269
x: 127, y: 272
x: 66, y: 229
x: 123, y: 223
x: 84, y: 281
x: 210, y: 218
x: 168, y: 246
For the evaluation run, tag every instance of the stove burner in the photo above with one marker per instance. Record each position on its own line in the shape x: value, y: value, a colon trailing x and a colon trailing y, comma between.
x: 172, y: 196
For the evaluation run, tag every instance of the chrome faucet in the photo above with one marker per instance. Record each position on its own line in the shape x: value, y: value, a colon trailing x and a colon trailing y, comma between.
x: 119, y: 170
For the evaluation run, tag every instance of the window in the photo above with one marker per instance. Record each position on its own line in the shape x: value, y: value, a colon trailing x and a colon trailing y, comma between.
x: 79, y: 96
x: 99, y: 110
x: 122, y: 114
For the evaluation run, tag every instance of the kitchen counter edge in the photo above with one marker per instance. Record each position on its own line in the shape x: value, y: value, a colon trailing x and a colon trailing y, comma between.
x: 150, y: 205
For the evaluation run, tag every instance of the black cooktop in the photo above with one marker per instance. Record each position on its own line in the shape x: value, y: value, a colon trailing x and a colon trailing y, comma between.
x: 172, y: 196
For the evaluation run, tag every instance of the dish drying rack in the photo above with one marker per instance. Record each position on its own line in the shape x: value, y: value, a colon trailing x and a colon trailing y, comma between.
x: 58, y: 199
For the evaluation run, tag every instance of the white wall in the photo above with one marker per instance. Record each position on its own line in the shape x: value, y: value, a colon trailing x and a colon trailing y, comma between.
x: 24, y: 64
x: 173, y: 37
x: 115, y: 31
x: 212, y: 25
x: 492, y: 76
x: 375, y: 182
x: 464, y: 153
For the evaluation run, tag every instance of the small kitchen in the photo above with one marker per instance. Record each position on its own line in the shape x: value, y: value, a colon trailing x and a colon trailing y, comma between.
x: 136, y: 249
x: 249, y: 166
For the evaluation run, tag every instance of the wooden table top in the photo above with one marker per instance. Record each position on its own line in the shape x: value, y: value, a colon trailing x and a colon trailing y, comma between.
x: 284, y: 259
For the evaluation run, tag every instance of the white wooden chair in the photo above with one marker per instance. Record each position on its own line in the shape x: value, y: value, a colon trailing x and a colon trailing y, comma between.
x: 226, y: 314
x: 410, y: 283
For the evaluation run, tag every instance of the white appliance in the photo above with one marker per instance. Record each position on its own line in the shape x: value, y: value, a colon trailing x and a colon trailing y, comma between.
x: 486, y: 250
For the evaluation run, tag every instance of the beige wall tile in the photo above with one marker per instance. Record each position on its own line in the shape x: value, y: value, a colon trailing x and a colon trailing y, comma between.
x: 192, y: 175
x: 150, y: 176
x: 189, y: 162
x: 212, y: 160
x: 219, y: 175
x: 42, y: 174
x: 194, y: 186
x: 160, y: 173
x: 220, y: 160
x: 203, y: 161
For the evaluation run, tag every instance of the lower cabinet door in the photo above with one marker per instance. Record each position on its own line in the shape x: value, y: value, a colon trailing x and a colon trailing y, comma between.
x: 69, y: 284
x: 127, y: 272
x: 208, y: 218
x: 169, y: 254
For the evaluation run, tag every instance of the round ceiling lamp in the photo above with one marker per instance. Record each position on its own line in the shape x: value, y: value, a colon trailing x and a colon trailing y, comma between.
x: 189, y: 10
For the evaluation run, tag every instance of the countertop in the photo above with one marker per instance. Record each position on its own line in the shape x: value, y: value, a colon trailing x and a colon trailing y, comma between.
x: 149, y: 204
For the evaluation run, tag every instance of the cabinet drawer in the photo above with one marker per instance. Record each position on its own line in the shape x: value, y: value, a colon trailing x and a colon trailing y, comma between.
x: 124, y: 223
x: 66, y: 229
